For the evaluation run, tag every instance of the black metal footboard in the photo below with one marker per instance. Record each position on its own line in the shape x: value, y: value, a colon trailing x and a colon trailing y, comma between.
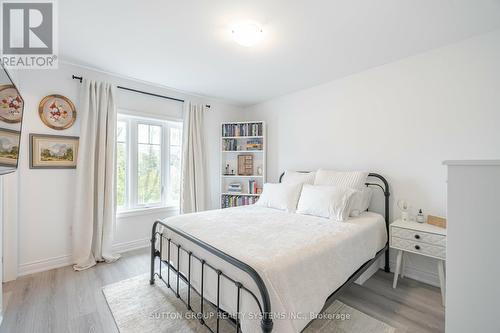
x: 264, y: 307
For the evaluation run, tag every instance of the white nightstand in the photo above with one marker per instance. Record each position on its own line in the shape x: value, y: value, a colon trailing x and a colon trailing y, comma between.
x: 419, y: 238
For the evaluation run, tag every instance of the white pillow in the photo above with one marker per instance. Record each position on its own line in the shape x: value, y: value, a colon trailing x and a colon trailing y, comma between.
x: 352, y: 179
x: 295, y: 177
x: 280, y: 196
x: 360, y: 201
x: 325, y: 201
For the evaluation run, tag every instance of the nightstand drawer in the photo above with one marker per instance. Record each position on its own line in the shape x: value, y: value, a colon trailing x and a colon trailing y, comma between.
x: 419, y: 236
x: 418, y: 247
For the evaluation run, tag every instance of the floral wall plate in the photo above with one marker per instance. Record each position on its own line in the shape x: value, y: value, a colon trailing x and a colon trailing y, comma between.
x: 57, y: 112
x: 11, y: 104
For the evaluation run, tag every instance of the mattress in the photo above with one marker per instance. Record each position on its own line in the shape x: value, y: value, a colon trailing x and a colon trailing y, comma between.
x: 301, y: 259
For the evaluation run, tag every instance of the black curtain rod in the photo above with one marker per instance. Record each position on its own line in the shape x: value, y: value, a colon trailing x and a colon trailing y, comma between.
x: 79, y: 78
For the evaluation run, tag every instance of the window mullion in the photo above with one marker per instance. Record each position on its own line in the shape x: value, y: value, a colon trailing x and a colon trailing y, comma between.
x: 133, y: 164
x: 165, y: 181
x: 127, y: 165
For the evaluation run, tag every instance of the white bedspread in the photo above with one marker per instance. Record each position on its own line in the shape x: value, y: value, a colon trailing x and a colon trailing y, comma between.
x: 301, y: 259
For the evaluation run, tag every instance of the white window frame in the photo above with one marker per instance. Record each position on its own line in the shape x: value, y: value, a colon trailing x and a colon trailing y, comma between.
x: 132, y: 121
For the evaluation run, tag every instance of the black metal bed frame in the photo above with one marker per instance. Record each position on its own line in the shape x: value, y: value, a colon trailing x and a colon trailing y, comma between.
x: 265, y: 303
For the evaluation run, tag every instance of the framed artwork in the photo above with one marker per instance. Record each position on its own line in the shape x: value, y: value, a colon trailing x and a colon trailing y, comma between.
x: 9, y: 147
x: 53, y: 151
x: 11, y: 104
x: 57, y: 112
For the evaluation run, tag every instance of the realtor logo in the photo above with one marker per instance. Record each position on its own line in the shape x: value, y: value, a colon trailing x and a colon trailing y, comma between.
x: 28, y: 34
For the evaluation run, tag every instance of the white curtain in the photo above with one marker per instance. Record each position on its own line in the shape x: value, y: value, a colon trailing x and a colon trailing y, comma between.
x: 95, y: 204
x: 193, y: 164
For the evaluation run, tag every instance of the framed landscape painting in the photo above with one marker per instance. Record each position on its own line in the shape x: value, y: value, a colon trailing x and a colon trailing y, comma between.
x: 53, y: 151
x: 9, y: 147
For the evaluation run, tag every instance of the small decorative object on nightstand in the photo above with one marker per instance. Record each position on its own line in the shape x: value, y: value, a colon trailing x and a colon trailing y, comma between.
x: 404, y: 206
x: 420, y: 216
x: 419, y: 238
x: 437, y: 221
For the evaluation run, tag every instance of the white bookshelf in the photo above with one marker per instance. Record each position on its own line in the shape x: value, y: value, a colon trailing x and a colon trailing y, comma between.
x: 239, y: 139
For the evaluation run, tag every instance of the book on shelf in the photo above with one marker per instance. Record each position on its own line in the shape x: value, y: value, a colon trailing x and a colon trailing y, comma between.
x: 234, y: 188
x: 247, y: 129
x: 252, y: 187
x: 232, y: 145
x: 255, y: 144
x: 229, y: 200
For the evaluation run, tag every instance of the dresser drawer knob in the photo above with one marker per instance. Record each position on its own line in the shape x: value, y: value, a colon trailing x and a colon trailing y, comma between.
x: 417, y: 236
x: 417, y: 247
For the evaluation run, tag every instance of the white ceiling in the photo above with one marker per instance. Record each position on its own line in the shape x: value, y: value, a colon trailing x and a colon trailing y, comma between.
x: 186, y: 44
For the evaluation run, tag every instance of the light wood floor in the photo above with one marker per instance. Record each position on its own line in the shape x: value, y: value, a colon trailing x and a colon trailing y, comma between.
x: 62, y: 300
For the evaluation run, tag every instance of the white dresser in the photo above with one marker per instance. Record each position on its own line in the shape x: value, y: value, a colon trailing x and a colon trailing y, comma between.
x: 473, y: 247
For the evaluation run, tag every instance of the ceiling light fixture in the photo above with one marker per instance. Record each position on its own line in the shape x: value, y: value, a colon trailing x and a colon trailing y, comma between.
x: 247, y: 34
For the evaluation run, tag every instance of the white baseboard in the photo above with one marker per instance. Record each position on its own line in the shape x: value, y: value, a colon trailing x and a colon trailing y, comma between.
x: 66, y: 260
x: 132, y: 245
x: 44, y: 265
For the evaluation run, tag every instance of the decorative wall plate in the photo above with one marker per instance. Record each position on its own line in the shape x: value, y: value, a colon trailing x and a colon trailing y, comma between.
x: 11, y: 104
x: 57, y: 112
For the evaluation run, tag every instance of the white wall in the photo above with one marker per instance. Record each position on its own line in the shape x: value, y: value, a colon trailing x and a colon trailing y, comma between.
x: 46, y: 196
x: 401, y: 120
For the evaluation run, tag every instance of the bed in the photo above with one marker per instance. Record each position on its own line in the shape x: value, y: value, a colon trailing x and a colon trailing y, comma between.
x: 265, y: 269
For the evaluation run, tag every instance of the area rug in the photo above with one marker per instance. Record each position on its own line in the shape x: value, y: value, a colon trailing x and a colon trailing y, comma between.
x: 139, y: 307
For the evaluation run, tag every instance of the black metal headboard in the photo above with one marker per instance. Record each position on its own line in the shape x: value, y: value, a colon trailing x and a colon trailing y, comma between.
x: 385, y: 190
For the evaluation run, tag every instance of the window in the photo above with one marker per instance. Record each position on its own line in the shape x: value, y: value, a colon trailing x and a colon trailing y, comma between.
x: 148, y: 163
